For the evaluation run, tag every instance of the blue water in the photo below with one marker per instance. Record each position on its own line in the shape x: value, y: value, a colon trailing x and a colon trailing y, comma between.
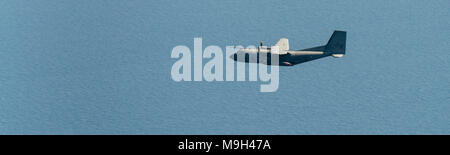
x: 103, y: 67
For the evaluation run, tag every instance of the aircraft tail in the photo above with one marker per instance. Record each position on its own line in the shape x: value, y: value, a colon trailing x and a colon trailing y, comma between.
x: 336, y: 44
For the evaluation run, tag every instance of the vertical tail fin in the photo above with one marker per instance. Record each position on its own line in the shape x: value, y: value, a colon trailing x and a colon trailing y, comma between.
x: 336, y: 44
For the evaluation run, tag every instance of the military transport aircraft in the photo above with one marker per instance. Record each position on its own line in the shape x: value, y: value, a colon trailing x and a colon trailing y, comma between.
x: 335, y: 47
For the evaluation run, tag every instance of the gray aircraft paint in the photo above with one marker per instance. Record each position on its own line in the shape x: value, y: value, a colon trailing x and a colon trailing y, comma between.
x: 335, y: 47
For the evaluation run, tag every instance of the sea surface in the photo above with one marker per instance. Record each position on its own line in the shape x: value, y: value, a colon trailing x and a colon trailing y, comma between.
x: 104, y: 67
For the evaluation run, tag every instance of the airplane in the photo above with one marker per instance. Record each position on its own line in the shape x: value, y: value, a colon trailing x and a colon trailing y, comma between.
x: 335, y: 48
